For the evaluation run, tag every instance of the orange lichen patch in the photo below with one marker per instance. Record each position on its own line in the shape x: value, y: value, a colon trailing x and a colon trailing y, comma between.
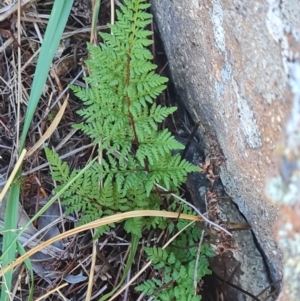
x: 289, y: 222
x: 284, y: 295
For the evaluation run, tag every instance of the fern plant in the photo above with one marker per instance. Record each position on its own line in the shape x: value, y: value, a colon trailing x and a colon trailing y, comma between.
x: 121, y: 116
x: 175, y: 266
x: 175, y: 275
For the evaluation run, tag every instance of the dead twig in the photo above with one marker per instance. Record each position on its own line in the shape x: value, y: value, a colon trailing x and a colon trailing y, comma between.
x: 197, y: 262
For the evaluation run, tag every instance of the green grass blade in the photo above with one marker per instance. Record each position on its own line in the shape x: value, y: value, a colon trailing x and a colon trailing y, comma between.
x: 57, y: 22
x: 49, y: 203
x: 9, y: 235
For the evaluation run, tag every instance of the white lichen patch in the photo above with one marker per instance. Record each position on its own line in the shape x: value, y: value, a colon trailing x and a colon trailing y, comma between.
x: 194, y: 7
x: 293, y: 124
x: 274, y: 22
x: 275, y: 189
x: 290, y: 10
x: 247, y: 120
x: 217, y: 22
x: 283, y: 19
x: 220, y: 43
x: 195, y: 3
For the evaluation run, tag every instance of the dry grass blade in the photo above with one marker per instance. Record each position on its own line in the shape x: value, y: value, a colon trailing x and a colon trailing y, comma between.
x: 13, y: 174
x: 96, y: 9
x: 204, y: 218
x: 51, y: 292
x: 50, y: 130
x: 98, y: 223
x: 92, y: 272
x: 197, y: 261
x: 12, y: 8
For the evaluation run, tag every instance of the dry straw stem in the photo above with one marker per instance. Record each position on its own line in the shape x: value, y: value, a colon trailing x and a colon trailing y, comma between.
x: 13, y: 174
x: 19, y: 76
x: 98, y: 223
x: 10, y: 9
x: 197, y: 261
x: 92, y: 272
x: 51, y: 292
x: 51, y: 128
x: 205, y: 219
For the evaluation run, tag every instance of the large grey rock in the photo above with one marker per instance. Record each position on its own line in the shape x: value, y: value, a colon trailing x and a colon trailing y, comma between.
x: 230, y: 63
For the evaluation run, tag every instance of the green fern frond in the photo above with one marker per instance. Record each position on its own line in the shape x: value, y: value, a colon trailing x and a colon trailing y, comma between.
x: 59, y: 169
x: 154, y: 149
x: 134, y: 226
x: 149, y: 286
x: 177, y: 275
x: 158, y: 256
x: 119, y: 110
x: 169, y: 171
